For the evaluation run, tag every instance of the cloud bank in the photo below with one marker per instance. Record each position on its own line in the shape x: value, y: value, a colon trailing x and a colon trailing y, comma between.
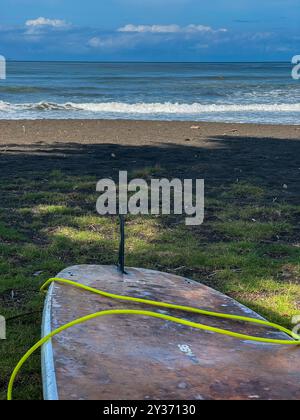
x: 55, y: 39
x: 169, y: 29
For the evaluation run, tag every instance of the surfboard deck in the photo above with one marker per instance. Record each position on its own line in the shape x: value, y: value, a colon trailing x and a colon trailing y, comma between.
x: 127, y: 357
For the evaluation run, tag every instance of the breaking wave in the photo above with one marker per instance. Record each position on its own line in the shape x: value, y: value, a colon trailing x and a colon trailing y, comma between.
x: 150, y: 108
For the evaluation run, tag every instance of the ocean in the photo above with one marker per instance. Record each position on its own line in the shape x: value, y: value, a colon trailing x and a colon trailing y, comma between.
x: 231, y: 92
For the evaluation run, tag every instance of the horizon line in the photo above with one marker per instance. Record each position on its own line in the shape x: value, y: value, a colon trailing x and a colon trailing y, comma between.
x: 145, y: 62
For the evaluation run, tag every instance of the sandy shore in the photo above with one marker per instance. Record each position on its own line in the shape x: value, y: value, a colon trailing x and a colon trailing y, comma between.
x: 134, y: 132
x: 222, y: 154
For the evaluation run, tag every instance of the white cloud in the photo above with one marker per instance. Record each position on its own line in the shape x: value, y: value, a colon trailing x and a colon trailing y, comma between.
x: 95, y: 42
x: 150, y: 28
x: 112, y: 42
x: 42, y: 22
x: 169, y: 29
x: 136, y: 35
x: 202, y: 28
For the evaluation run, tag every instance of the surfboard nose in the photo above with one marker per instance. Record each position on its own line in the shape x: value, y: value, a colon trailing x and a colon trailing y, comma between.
x: 137, y: 357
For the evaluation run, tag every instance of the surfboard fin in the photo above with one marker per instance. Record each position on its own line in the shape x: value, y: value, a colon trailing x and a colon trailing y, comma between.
x: 121, y: 263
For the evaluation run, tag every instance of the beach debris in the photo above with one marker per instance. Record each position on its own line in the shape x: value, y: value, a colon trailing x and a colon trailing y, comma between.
x: 234, y: 131
x: 38, y: 273
x: 195, y: 127
x: 93, y: 228
x: 187, y: 139
x: 179, y: 268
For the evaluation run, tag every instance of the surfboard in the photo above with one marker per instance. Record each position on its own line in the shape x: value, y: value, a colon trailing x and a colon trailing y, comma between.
x: 127, y: 357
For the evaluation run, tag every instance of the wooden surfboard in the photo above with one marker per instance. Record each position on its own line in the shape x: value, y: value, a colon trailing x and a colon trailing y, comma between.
x: 127, y: 357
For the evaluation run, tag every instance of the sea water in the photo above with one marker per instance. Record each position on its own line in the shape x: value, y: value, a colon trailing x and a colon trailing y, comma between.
x: 228, y: 92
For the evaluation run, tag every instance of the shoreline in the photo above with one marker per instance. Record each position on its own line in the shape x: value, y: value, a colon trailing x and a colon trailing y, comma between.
x: 139, y: 132
x: 73, y: 120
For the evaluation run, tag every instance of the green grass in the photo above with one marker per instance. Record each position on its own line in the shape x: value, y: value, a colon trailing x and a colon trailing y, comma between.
x: 246, y: 190
x: 147, y: 172
x: 247, y: 248
x: 9, y: 233
x: 252, y: 231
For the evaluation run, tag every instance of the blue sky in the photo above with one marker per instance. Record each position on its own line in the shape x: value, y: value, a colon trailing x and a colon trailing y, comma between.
x: 150, y: 30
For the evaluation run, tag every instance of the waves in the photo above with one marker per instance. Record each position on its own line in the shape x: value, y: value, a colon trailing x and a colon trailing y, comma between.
x: 233, y: 92
x: 247, y: 112
x: 39, y: 106
x: 165, y: 108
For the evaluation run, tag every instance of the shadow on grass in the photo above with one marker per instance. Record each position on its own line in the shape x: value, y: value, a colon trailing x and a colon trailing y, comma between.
x: 248, y: 246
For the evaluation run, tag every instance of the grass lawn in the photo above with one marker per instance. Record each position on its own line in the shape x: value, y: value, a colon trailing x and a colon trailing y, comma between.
x: 247, y: 248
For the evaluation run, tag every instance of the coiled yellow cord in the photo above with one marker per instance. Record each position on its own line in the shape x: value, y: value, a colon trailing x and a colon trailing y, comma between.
x: 198, y: 326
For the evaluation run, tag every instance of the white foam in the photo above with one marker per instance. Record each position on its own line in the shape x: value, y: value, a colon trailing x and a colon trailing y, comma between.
x: 151, y: 108
x: 177, y: 108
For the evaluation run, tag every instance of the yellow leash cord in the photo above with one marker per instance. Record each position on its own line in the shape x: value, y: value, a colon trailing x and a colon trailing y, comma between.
x: 198, y: 326
x: 171, y: 306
